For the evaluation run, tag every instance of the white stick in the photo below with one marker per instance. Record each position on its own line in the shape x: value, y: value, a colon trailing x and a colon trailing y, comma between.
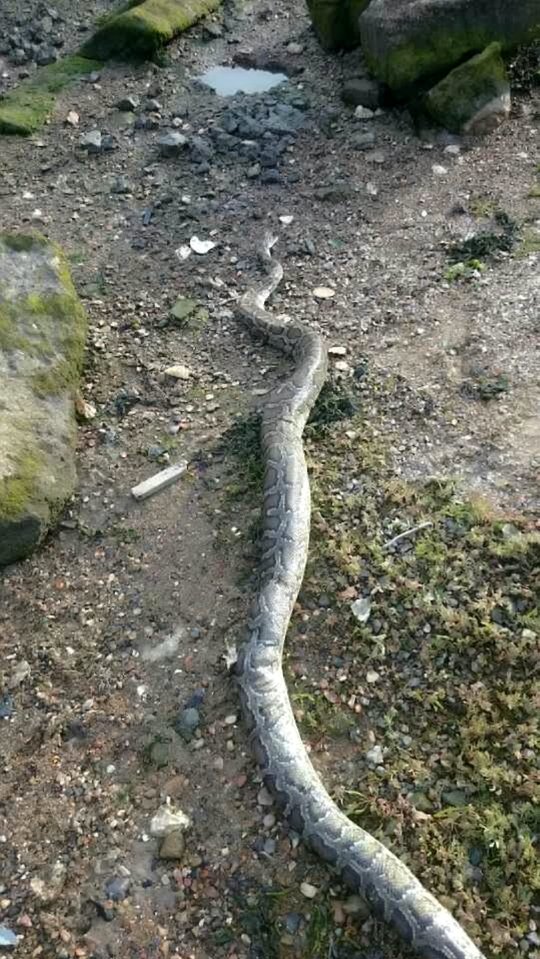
x: 408, y: 532
x: 159, y: 481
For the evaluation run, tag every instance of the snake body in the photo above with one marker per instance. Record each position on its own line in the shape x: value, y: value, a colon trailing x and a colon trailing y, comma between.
x: 362, y: 862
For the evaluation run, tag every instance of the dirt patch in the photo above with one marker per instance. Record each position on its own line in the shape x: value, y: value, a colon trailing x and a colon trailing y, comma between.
x: 91, y: 743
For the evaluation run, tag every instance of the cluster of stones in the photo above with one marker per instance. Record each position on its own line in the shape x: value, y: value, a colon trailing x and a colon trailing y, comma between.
x: 36, y: 42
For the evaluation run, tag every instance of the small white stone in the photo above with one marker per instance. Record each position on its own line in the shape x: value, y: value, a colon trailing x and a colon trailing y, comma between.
x: 231, y: 720
x: 363, y: 113
x: 439, y: 170
x: 375, y: 755
x: 372, y: 676
x: 286, y: 220
x: 308, y: 890
x: 178, y: 372
x: 264, y: 798
x: 337, y: 350
x: 342, y: 366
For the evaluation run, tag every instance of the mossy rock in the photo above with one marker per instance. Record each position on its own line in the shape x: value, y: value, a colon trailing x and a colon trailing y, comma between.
x: 42, y: 338
x: 411, y: 44
x: 336, y: 22
x: 139, y: 31
x: 26, y: 108
x: 473, y: 96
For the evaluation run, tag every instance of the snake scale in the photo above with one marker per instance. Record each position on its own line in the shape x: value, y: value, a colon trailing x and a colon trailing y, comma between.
x: 364, y: 864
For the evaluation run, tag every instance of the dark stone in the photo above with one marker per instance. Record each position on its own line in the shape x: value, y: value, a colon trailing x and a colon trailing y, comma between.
x: 118, y: 888
x: 362, y: 91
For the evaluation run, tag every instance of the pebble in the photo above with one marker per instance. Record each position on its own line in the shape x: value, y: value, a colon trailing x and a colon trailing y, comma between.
x: 121, y: 185
x: 295, y: 49
x: 363, y: 140
x: 361, y: 91
x: 292, y: 922
x: 168, y: 819
x: 439, y: 170
x: 118, y: 888
x: 372, y: 676
x: 8, y: 939
x: 72, y: 118
x: 188, y: 721
x: 6, y: 706
x: 308, y: 890
x: 178, y: 372
x: 269, y: 820
x: 92, y: 142
x: 128, y: 104
x: 173, y: 846
x: 172, y: 144
x: 375, y: 755
x: 364, y: 113
x: 264, y: 798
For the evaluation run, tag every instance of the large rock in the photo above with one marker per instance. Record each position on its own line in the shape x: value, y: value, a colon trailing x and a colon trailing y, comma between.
x: 474, y: 97
x: 140, y: 30
x: 42, y: 337
x: 409, y: 44
x: 336, y: 22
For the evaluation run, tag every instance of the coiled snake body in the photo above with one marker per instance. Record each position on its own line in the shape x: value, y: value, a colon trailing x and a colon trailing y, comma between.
x: 362, y: 862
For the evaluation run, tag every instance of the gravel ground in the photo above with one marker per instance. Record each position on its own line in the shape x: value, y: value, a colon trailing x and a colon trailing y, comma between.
x: 123, y: 620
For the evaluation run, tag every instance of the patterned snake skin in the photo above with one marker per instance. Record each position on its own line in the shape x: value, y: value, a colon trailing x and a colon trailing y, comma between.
x: 362, y: 862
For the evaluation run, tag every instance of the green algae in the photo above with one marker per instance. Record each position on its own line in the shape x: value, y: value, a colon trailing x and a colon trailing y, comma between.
x: 26, y: 108
x: 459, y: 96
x: 141, y: 30
x: 19, y: 488
x: 336, y: 22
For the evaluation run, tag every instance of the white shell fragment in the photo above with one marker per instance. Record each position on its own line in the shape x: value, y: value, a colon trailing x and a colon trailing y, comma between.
x: 324, y: 292
x: 168, y: 819
x: 361, y: 609
x: 201, y: 246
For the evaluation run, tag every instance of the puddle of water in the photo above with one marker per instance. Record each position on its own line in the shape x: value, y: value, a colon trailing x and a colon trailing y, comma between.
x: 226, y: 81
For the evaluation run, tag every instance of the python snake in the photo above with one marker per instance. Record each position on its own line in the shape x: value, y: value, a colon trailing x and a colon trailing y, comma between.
x: 362, y: 862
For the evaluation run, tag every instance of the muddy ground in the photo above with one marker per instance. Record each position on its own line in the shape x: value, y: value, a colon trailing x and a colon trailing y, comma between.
x: 125, y: 616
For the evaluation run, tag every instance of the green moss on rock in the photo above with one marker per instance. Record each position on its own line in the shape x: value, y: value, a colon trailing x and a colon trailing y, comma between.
x: 26, y: 108
x: 336, y: 22
x: 42, y: 336
x: 141, y: 30
x: 465, y: 97
x: 18, y: 489
x: 411, y: 44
